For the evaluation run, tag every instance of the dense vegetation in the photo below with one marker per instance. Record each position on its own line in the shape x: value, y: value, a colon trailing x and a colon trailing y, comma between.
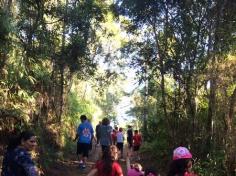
x: 60, y: 59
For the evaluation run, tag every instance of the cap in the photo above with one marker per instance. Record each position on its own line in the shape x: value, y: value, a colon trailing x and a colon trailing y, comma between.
x: 181, y: 152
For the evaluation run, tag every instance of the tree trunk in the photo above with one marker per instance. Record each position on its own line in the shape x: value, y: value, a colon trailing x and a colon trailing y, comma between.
x: 231, y: 137
x: 61, y: 93
x: 211, y: 113
x: 145, y: 113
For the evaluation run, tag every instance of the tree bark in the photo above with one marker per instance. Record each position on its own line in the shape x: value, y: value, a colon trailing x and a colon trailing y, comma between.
x: 231, y: 137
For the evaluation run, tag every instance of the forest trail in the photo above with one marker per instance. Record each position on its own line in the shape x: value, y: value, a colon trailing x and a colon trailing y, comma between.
x: 70, y: 165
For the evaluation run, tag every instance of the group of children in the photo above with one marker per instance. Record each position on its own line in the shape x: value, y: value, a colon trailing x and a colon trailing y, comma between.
x: 112, y: 144
x: 181, y: 165
x: 134, y: 140
x: 17, y: 159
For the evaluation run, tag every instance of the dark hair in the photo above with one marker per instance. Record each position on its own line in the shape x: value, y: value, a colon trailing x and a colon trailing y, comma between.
x: 178, y: 167
x: 151, y: 170
x: 105, y: 121
x: 108, y: 158
x: 16, y: 140
x: 83, y: 118
x: 135, y: 131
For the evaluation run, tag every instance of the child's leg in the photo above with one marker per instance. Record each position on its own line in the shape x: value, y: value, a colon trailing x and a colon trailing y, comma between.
x: 121, y: 149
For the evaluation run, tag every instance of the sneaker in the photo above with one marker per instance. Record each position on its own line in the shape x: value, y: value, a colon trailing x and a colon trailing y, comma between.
x: 83, y: 166
x: 80, y: 164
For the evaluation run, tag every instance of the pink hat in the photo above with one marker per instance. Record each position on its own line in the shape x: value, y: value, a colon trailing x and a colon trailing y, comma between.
x: 181, y: 152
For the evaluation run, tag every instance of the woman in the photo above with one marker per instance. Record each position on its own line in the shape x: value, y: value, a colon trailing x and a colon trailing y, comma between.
x: 105, y: 134
x: 107, y: 166
x: 182, y: 163
x: 17, y: 159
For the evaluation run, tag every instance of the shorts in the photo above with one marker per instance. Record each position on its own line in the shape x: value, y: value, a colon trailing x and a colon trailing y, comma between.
x: 136, y: 147
x: 91, y: 146
x: 119, y: 146
x: 83, y: 148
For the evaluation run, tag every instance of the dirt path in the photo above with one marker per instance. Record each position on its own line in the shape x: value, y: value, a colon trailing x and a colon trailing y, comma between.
x: 70, y: 166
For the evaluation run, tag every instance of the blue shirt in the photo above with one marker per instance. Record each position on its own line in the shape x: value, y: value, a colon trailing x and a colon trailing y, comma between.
x: 105, y: 132
x: 85, y: 132
x: 18, y: 162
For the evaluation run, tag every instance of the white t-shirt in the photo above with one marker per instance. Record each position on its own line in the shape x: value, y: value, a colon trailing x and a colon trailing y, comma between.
x: 120, y: 137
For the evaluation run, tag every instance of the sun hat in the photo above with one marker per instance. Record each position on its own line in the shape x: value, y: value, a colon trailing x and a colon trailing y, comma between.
x: 181, y: 153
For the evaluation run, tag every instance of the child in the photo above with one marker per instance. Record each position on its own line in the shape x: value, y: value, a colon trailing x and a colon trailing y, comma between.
x: 120, y: 141
x: 133, y: 169
x: 114, y: 136
x: 182, y: 163
x: 107, y: 166
x: 130, y: 137
x: 137, y: 140
x: 151, y: 172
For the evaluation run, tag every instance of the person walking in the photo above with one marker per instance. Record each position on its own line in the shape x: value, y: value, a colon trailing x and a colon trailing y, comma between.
x: 98, y: 132
x: 120, y: 141
x: 84, y: 138
x: 17, y: 160
x: 130, y: 137
x: 137, y: 141
x: 108, y: 165
x: 105, y: 132
x: 114, y: 135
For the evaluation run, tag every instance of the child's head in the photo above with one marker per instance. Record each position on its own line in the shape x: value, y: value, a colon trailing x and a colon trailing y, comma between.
x: 83, y: 118
x: 136, y: 170
x: 182, y: 161
x: 110, y: 153
x: 135, y: 131
x: 151, y: 172
x: 120, y: 129
x: 105, y: 121
x: 138, y: 167
x: 181, y: 153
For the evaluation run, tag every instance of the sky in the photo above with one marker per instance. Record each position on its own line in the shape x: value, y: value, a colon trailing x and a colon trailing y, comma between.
x: 126, y: 101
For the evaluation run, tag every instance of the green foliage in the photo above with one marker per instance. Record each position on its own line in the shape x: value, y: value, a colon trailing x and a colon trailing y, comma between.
x: 78, y: 106
x: 212, y: 166
x: 157, y: 152
x: 5, y: 27
x: 177, y: 48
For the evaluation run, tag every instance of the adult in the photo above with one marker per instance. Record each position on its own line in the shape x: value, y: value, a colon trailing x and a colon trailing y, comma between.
x: 17, y: 160
x: 98, y: 131
x: 105, y: 132
x: 130, y: 136
x: 182, y: 163
x: 84, y: 135
x: 107, y: 166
